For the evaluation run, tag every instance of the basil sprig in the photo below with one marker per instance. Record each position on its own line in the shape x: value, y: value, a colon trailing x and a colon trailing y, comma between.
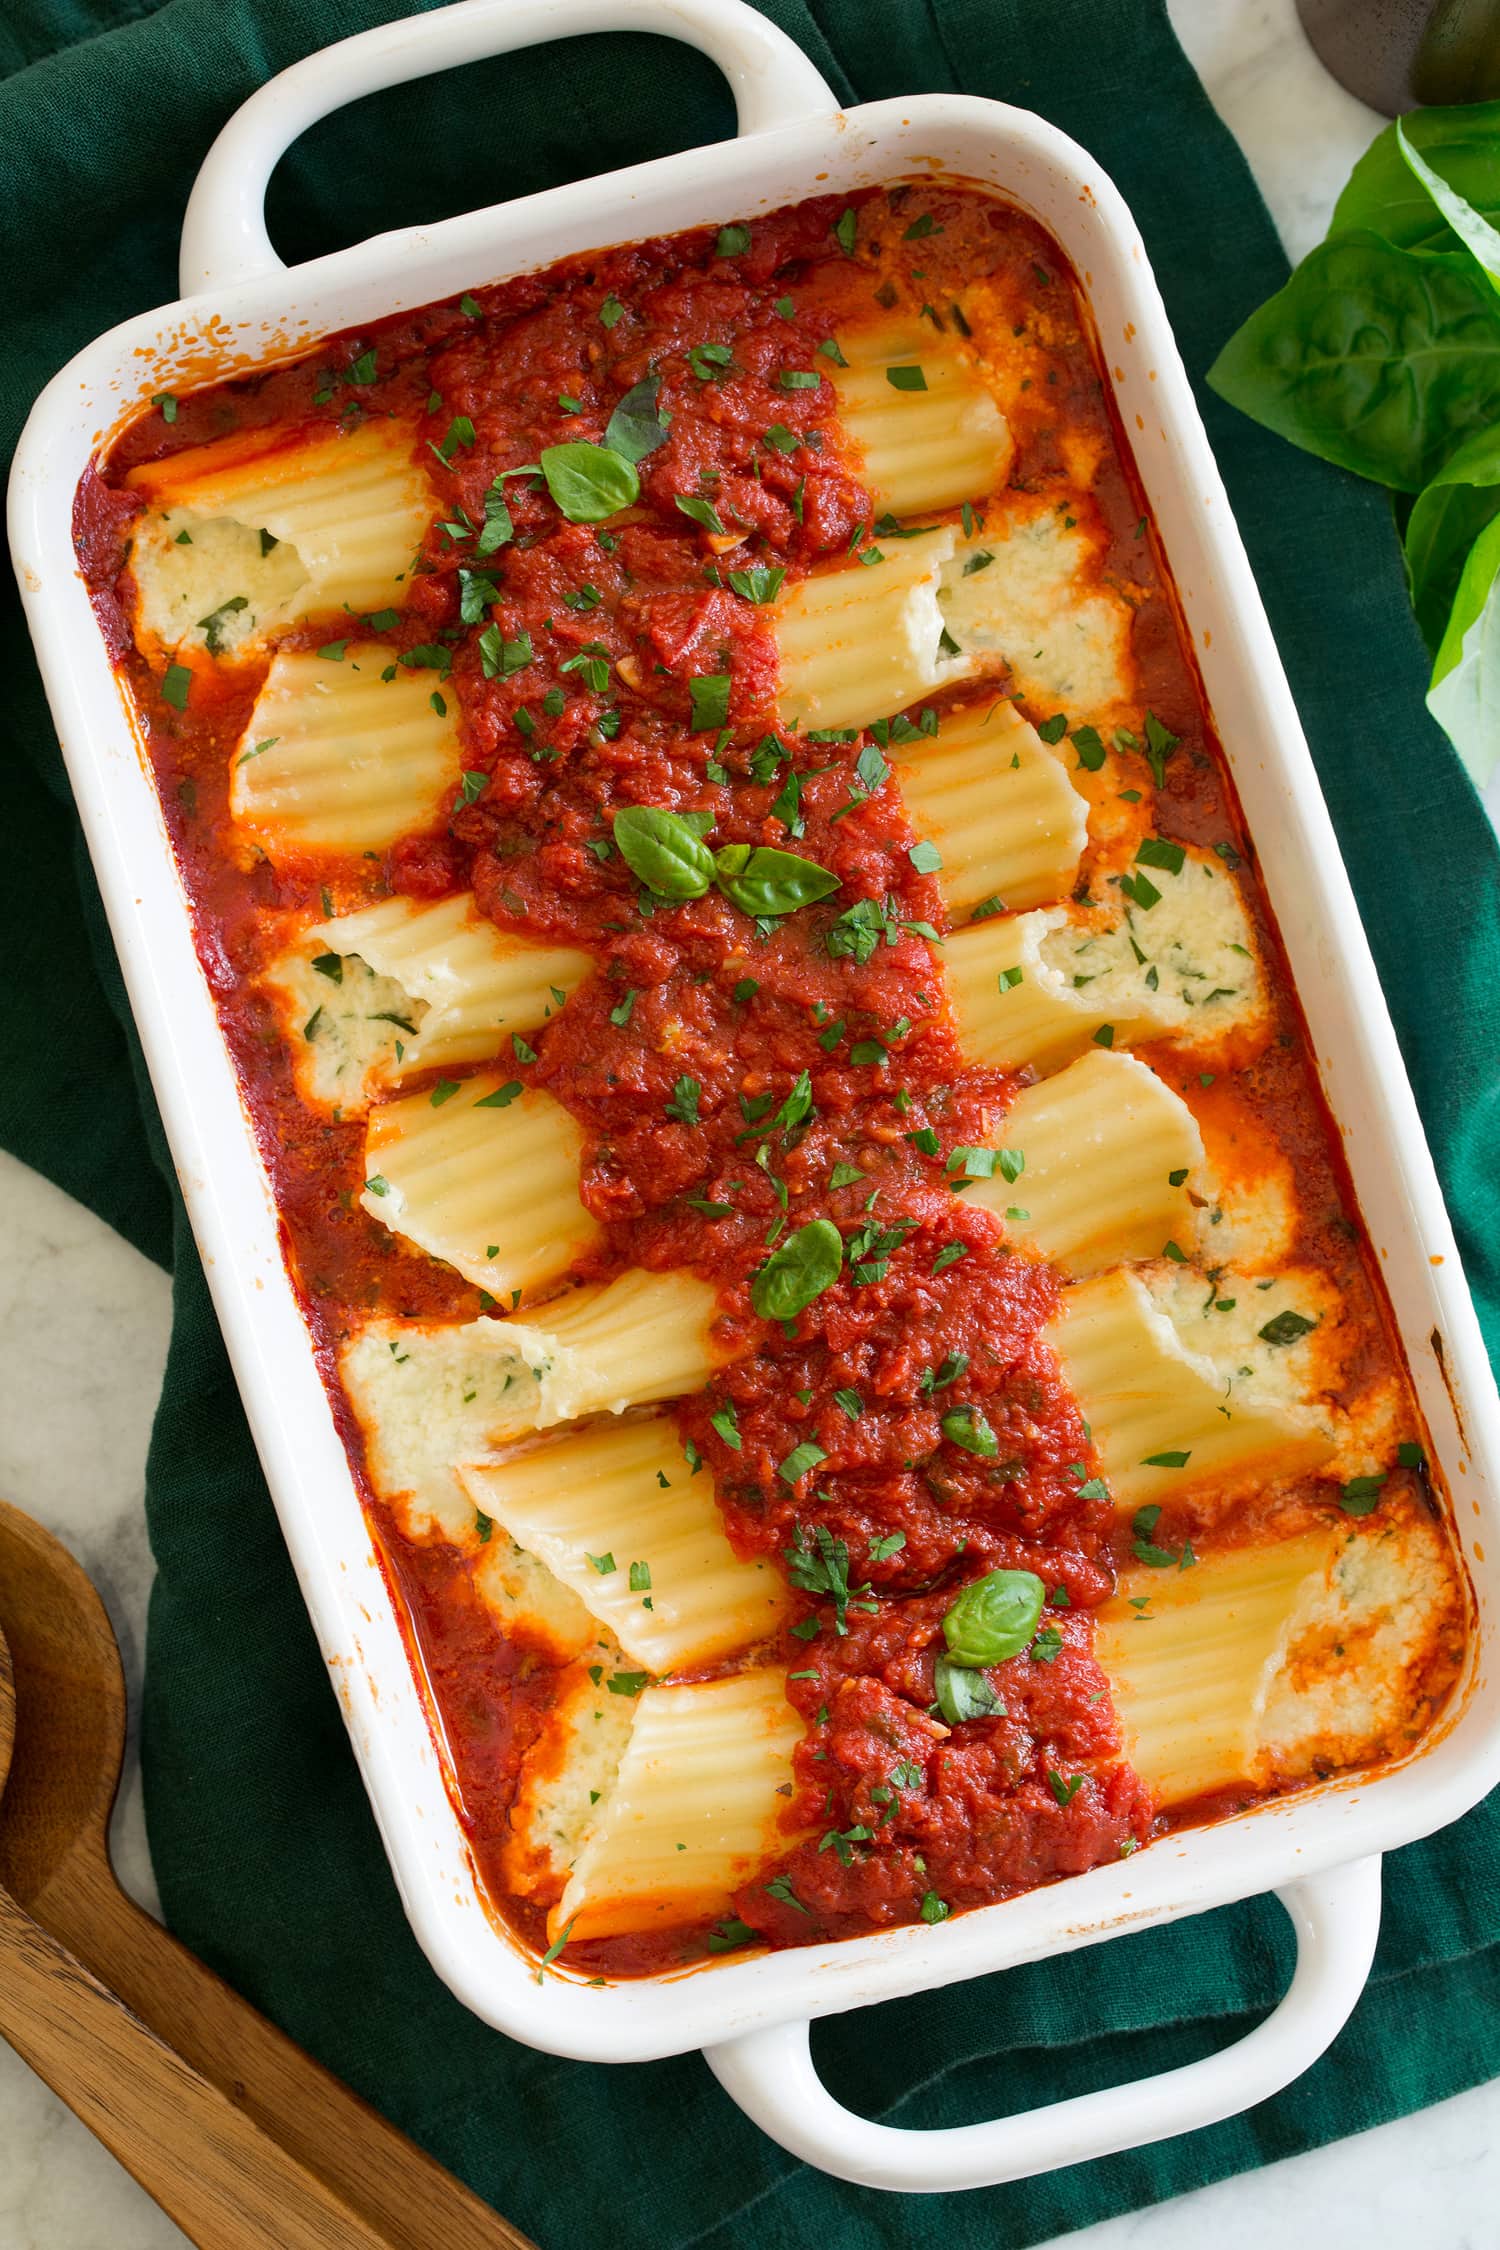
x: 994, y: 1618
x: 669, y: 855
x: 589, y: 482
x: 806, y: 1264
x: 1382, y: 353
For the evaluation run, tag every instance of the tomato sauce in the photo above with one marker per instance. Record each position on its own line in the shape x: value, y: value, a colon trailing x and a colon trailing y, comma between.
x: 932, y: 1312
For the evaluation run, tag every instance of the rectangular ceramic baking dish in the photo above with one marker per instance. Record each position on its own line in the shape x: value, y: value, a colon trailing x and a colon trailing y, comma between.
x: 242, y: 308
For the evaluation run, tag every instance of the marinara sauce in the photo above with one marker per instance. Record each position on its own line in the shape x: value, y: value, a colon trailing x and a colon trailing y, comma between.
x: 734, y: 1078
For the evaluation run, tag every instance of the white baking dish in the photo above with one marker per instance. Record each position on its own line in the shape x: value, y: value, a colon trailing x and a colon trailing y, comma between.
x: 242, y: 307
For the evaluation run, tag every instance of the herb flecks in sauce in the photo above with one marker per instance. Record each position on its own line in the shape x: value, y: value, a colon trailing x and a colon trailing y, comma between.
x: 633, y: 457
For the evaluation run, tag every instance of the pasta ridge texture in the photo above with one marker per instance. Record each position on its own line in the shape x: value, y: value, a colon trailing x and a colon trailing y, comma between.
x: 269, y: 526
x: 920, y: 447
x: 1157, y: 1410
x: 338, y: 757
x: 1108, y: 1154
x: 620, y: 1494
x: 696, y: 1807
x: 488, y: 1167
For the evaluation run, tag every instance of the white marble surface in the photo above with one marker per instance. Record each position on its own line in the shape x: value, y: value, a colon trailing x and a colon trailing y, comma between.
x: 83, y: 1332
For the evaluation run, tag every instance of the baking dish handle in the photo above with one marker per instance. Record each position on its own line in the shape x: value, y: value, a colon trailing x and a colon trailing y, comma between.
x: 1336, y: 1917
x: 224, y: 237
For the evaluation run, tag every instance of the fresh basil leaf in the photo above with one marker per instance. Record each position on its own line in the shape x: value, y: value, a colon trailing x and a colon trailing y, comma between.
x: 1446, y: 519
x: 589, y: 482
x: 1377, y: 359
x: 1383, y: 193
x: 636, y: 428
x: 664, y: 851
x: 1479, y: 238
x: 963, y: 1694
x: 994, y: 1617
x: 806, y: 1264
x: 762, y: 880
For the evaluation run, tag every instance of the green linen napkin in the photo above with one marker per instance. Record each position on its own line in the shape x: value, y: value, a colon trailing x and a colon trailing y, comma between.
x: 265, y: 1851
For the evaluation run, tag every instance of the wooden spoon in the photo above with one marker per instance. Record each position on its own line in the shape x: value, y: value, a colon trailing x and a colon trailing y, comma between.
x: 242, y: 2138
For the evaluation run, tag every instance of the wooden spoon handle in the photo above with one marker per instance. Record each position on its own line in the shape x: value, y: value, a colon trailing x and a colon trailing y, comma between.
x: 227, y: 2184
x: 413, y: 2201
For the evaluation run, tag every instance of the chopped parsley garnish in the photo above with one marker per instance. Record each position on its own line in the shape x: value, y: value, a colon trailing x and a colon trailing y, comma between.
x: 686, y: 1094
x: 1160, y: 743
x: 701, y: 511
x: 822, y: 1568
x: 709, y: 692
x: 1361, y: 1495
x: 967, y: 1428
x: 1286, y: 1328
x: 758, y: 586
x: 553, y: 1950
